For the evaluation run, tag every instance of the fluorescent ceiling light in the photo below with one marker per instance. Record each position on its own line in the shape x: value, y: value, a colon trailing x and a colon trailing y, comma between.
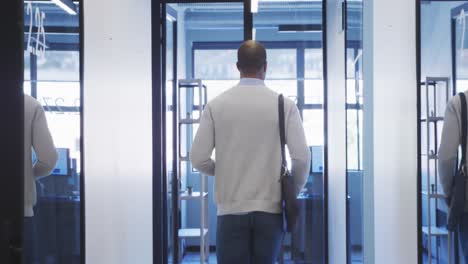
x: 254, y: 6
x: 66, y: 5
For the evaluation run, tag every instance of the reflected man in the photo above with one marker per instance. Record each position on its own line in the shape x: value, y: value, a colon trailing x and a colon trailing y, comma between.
x: 37, y: 138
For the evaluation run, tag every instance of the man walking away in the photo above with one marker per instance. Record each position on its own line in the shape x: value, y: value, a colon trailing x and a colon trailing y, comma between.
x: 242, y: 125
x: 448, y: 154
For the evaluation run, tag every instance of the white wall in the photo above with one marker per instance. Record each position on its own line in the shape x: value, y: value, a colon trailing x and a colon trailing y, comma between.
x: 336, y: 103
x: 117, y: 131
x: 390, y: 136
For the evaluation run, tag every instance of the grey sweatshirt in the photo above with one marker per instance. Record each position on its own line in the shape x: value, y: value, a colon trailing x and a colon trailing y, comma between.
x: 242, y: 126
x: 37, y: 137
x: 451, y: 140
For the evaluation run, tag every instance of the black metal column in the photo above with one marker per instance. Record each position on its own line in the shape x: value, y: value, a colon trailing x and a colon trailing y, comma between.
x: 248, y: 20
x: 159, y: 229
x: 11, y: 134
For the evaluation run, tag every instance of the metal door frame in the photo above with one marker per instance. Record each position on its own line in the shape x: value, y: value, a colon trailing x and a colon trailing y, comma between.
x: 454, y: 12
x: 12, y: 113
x: 158, y: 11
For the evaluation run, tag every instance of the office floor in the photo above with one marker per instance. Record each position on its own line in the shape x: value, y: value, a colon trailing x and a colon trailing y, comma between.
x: 194, y: 258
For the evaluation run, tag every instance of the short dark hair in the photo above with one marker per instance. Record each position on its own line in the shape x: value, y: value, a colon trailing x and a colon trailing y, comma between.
x: 251, y: 56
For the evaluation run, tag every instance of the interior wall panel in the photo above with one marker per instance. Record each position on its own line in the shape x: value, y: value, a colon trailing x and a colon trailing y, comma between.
x: 118, y: 132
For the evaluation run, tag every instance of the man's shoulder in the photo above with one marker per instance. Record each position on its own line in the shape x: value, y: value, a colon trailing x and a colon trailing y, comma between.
x: 31, y: 105
x: 454, y: 102
x: 31, y: 101
x: 222, y: 97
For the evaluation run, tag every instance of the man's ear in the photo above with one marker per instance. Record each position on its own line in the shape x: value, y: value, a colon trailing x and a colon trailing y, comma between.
x: 266, y: 66
x: 237, y: 64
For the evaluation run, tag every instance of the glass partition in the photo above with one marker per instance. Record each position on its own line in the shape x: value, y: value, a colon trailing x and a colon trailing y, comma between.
x: 442, y: 73
x: 201, y: 40
x: 354, y: 126
x: 52, y: 75
x: 293, y: 35
x: 208, y: 36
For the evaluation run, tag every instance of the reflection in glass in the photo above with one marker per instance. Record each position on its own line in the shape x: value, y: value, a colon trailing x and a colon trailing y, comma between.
x: 52, y: 76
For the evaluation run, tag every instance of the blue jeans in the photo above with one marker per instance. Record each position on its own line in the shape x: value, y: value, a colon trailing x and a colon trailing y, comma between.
x: 463, y: 233
x: 254, y: 238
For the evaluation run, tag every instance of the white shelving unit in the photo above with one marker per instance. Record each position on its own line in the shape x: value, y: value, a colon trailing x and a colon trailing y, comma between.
x: 195, y: 98
x: 432, y: 121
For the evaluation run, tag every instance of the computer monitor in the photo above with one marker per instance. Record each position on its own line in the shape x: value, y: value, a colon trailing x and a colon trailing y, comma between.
x: 62, y: 168
x: 317, y: 159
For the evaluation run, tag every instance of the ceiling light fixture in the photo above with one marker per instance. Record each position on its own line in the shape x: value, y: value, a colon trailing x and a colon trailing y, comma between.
x: 67, y: 5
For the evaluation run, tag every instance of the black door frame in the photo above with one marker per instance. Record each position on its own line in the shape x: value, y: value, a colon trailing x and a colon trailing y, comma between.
x: 12, y: 146
x: 158, y: 11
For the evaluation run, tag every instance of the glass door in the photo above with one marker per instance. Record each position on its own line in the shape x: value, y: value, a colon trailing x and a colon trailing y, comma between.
x: 12, y: 140
x: 201, y: 40
x: 293, y: 34
x: 354, y: 129
x: 53, y: 98
x: 170, y: 57
x: 442, y: 72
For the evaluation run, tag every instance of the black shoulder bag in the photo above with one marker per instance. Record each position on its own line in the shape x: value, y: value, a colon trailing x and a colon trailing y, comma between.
x: 458, y: 195
x: 289, y: 201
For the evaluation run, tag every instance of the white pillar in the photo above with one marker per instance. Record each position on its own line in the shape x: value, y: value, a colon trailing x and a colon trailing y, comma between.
x: 117, y: 131
x: 336, y: 133
x: 390, y: 132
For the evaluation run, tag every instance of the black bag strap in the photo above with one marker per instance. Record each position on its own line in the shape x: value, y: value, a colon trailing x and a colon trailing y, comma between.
x: 282, y: 130
x: 464, y: 119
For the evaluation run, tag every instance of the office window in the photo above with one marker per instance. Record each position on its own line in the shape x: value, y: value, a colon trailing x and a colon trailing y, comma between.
x: 216, y: 64
x: 217, y: 68
x: 282, y: 72
x: 313, y: 125
x: 282, y: 64
x: 313, y: 81
x: 62, y: 65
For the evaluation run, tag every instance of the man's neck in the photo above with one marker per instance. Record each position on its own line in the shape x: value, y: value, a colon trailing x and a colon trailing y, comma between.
x: 251, y: 77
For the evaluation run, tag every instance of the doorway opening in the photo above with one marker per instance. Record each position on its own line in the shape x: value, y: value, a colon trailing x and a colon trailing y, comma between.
x: 199, y: 54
